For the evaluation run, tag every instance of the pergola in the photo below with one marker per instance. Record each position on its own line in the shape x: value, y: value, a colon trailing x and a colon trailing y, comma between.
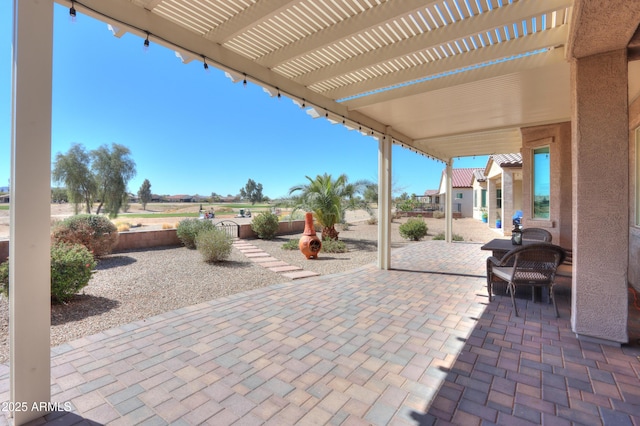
x: 445, y: 78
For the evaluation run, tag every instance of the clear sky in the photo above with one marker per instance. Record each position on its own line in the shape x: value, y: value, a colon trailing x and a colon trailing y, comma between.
x: 191, y: 131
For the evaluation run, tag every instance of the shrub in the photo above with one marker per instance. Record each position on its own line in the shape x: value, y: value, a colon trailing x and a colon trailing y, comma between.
x: 167, y: 226
x: 372, y: 220
x: 123, y: 227
x: 413, y: 229
x: 71, y: 269
x: 95, y: 232
x: 454, y: 237
x: 438, y: 215
x: 291, y: 245
x: 265, y: 225
x: 214, y: 245
x: 188, y: 230
x: 333, y: 246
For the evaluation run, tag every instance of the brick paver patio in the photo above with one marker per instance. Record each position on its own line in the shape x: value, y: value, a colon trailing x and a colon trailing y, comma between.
x: 415, y: 345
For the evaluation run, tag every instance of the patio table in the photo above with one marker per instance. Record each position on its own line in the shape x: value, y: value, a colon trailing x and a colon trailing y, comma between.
x: 500, y: 246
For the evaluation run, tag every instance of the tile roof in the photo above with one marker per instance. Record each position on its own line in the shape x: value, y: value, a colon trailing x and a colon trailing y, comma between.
x: 508, y: 160
x: 463, y: 178
x: 479, y: 175
x: 429, y: 192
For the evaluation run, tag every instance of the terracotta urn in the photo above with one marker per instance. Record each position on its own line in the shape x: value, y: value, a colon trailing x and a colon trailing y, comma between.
x: 309, y: 244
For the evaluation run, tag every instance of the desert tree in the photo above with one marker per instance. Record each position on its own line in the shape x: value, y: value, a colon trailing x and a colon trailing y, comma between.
x: 73, y: 171
x: 112, y: 168
x: 252, y: 191
x: 144, y: 193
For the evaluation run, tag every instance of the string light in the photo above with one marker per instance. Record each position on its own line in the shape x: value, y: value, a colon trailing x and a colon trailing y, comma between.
x: 72, y: 12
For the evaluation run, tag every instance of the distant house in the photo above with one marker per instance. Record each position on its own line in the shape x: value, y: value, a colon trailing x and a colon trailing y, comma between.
x: 462, y: 188
x: 182, y: 198
x: 4, y: 198
x: 430, y: 200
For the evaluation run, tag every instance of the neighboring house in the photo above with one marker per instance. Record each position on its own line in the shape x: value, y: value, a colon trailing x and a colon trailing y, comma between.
x: 4, y: 198
x: 430, y: 200
x: 462, y: 181
x: 503, y: 185
x: 182, y: 198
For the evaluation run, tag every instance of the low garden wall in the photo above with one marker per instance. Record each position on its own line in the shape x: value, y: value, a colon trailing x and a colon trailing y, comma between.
x: 133, y: 240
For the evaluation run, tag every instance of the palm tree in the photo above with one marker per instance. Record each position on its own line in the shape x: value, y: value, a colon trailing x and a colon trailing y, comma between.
x: 327, y: 199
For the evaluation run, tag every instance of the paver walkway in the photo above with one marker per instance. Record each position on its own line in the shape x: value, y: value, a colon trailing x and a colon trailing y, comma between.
x: 265, y: 260
x: 401, y: 347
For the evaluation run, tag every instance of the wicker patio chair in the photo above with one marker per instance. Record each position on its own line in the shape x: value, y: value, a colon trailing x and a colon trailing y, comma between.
x: 533, y: 265
x: 536, y: 234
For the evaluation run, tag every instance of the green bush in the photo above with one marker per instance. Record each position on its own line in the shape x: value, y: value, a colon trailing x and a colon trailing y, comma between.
x: 95, y: 232
x: 188, y: 230
x: 214, y: 245
x: 438, y: 215
x: 413, y: 229
x: 71, y: 269
x: 333, y: 246
x: 454, y: 237
x: 265, y: 225
x: 291, y: 245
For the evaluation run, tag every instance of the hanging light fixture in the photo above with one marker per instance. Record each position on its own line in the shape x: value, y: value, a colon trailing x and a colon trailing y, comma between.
x: 205, y: 65
x: 145, y: 47
x: 72, y: 12
x: 244, y: 82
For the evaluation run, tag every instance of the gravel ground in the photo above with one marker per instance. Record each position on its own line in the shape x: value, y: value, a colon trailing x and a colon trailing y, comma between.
x: 134, y: 285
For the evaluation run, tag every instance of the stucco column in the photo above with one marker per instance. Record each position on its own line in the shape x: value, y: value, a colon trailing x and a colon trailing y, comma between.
x: 29, y: 254
x: 600, y: 149
x: 508, y: 194
x: 384, y: 202
x: 491, y: 203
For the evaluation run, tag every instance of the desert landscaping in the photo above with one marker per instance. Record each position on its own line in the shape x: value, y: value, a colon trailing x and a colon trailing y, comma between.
x: 134, y: 285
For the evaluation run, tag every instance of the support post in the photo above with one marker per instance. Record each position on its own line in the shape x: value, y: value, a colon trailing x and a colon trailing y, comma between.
x: 448, y: 207
x: 29, y: 253
x: 384, y: 202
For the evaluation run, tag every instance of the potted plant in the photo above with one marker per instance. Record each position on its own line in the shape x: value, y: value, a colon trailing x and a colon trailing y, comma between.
x: 485, y: 216
x: 498, y: 221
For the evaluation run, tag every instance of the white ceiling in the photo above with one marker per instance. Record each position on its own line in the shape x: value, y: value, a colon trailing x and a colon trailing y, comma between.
x: 448, y: 78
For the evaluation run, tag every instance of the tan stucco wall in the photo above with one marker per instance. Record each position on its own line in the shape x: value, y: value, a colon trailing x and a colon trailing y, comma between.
x: 558, y: 138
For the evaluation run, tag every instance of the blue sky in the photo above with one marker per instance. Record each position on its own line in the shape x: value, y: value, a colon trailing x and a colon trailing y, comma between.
x: 191, y: 131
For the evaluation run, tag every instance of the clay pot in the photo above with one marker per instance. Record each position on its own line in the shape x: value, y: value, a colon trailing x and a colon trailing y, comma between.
x: 309, y: 244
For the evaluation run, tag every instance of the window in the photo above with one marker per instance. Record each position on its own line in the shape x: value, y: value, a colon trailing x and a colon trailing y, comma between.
x: 541, y: 183
x: 499, y: 198
x: 484, y: 198
x: 475, y: 198
x: 459, y: 196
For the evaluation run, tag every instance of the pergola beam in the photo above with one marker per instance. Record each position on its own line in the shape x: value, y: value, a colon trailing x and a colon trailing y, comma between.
x: 507, y: 15
x: 489, y: 54
x: 553, y: 56
x: 175, y: 37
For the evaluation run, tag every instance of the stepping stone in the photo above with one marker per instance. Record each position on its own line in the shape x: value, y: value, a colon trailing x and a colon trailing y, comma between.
x: 260, y: 254
x: 251, y: 250
x: 300, y: 274
x: 273, y: 264
x: 287, y: 268
x: 262, y: 260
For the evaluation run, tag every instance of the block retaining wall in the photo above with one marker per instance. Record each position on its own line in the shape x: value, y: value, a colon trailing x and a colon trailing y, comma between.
x: 133, y: 240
